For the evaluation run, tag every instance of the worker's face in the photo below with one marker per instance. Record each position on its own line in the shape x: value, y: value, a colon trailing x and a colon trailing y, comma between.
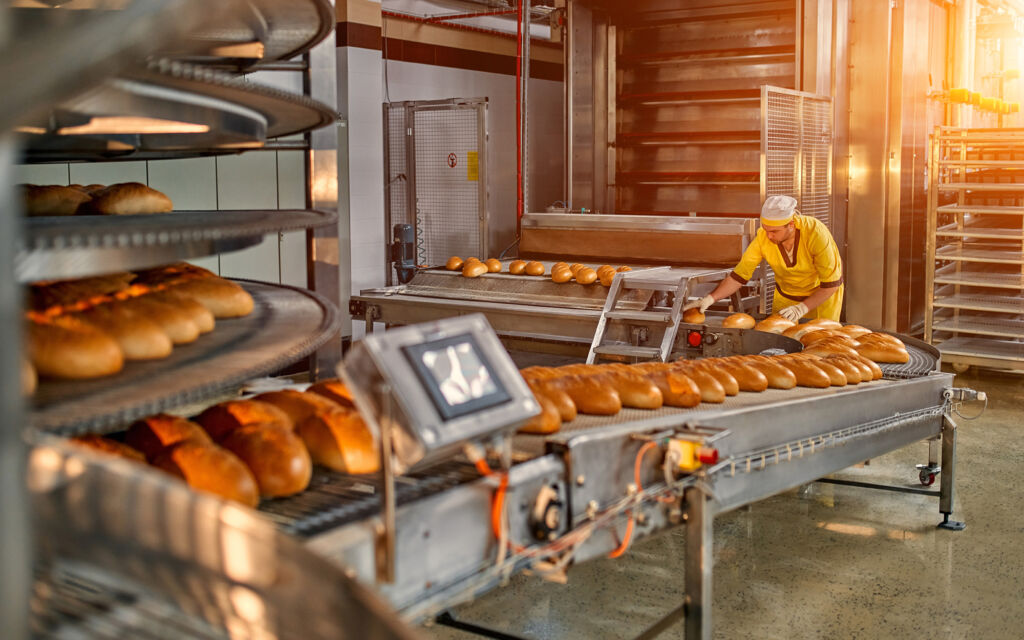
x: 778, y: 235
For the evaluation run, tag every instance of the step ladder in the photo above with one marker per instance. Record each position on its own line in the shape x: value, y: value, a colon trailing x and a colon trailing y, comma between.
x: 654, y: 280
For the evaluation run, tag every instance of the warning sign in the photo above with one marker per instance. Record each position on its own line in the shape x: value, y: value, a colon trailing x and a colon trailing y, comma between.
x: 453, y: 160
x: 472, y: 166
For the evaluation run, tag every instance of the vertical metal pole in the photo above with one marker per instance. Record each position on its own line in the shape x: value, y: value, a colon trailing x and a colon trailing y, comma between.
x: 525, y: 80
x: 482, y: 146
x: 948, y: 466
x: 15, y: 546
x: 699, y: 515
x: 385, y: 548
x: 386, y: 120
x: 323, y: 251
x: 568, y: 73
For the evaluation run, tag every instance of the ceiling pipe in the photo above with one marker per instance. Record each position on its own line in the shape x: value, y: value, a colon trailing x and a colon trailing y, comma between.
x: 463, y: 16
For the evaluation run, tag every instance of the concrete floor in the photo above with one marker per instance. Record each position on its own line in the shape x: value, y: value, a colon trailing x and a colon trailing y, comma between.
x: 823, y: 561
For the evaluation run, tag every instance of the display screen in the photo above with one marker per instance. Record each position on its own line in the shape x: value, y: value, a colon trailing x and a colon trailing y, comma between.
x: 456, y: 375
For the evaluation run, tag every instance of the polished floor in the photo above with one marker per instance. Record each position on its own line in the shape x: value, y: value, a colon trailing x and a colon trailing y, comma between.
x: 823, y: 561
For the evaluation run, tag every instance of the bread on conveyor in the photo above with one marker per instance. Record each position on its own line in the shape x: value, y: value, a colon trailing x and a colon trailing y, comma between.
x: 677, y: 388
x: 72, y: 293
x: 153, y: 434
x: 29, y: 379
x: 298, y: 405
x: 493, y: 265
x: 223, y: 418
x: 561, y: 275
x: 276, y: 456
x: 835, y: 375
x: 635, y: 390
x: 551, y: 389
x: 728, y: 382
x: 340, y: 439
x: 454, y: 263
x: 196, y: 312
x: 127, y: 198
x: 66, y: 347
x: 207, y: 467
x: 883, y: 352
x: 175, y: 322
x: 139, y: 337
x: 223, y: 298
x: 517, y: 267
x: 711, y: 389
x: 53, y: 200
x: 876, y: 371
x: 474, y: 269
x: 851, y: 370
x: 774, y: 324
x: 534, y: 268
x: 108, y: 446
x: 333, y: 389
x: 739, y: 321
x: 607, y: 278
x: 694, y: 316
x: 853, y: 330
x: 586, y: 275
x: 825, y: 322
x: 748, y: 378
x: 798, y: 331
x: 547, y: 421
x: 777, y: 376
x: 811, y: 337
x: 807, y: 374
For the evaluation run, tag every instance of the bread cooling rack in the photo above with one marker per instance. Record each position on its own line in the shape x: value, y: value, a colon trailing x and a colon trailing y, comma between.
x: 286, y: 324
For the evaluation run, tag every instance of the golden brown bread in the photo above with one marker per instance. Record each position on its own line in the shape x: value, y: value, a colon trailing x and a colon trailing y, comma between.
x: 223, y: 298
x: 730, y: 385
x: 474, y: 269
x: 339, y: 439
x: 276, y: 456
x: 711, y: 389
x: 809, y: 338
x: 677, y: 388
x: 493, y: 265
x: 69, y: 293
x: 884, y: 353
x: 694, y: 316
x: 547, y: 421
x: 171, y: 274
x: 853, y: 330
x: 197, y: 313
x: 139, y: 337
x: 297, y: 405
x: 454, y: 263
x: 807, y: 374
x: 835, y: 374
x: 221, y: 419
x: 607, y: 277
x: 53, y: 200
x: 153, y: 434
x: 517, y: 267
x: 561, y: 276
x: 65, y: 347
x: 127, y: 198
x: 739, y: 321
x: 634, y: 389
x: 876, y: 371
x: 107, y: 446
x: 333, y: 389
x: 825, y: 322
x: 748, y: 378
x: 176, y: 323
x: 592, y: 396
x: 586, y: 275
x: 797, y: 331
x: 206, y: 467
x: 554, y: 393
x: 29, y: 379
x: 774, y: 324
x: 534, y: 268
x: 777, y: 376
x: 850, y: 370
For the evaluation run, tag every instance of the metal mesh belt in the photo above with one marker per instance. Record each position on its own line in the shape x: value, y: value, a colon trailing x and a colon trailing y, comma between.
x: 920, y: 364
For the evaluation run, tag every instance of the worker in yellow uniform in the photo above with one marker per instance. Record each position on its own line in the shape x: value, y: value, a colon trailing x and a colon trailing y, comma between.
x: 804, y: 257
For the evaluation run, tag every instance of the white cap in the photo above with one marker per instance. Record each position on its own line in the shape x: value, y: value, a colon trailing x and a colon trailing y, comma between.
x: 777, y: 211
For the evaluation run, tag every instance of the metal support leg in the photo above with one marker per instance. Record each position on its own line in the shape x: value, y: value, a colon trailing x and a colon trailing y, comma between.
x: 948, y: 475
x: 699, y: 516
x: 927, y: 472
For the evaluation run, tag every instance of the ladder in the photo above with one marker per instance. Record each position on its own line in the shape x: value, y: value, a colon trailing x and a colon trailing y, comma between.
x: 654, y: 279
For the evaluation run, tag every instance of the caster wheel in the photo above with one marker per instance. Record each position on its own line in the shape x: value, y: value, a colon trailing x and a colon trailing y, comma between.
x: 927, y: 478
x: 960, y: 367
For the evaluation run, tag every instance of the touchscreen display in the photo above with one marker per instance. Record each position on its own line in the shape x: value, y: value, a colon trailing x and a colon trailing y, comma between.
x: 456, y: 375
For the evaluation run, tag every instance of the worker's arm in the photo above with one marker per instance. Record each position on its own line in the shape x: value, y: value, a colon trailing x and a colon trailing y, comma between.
x: 740, y: 276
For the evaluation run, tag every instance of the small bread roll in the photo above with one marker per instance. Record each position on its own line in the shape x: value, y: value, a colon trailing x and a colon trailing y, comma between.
x: 517, y: 267
x: 223, y: 298
x: 576, y: 266
x: 339, y: 439
x: 153, y: 434
x: 334, y: 389
x: 196, y: 312
x: 605, y: 268
x: 694, y: 316
x: 561, y: 276
x: 607, y: 278
x: 454, y: 263
x: 29, y: 379
x: 65, y: 347
x: 586, y: 275
x: 221, y: 419
x: 774, y: 324
x: 53, y: 200
x: 276, y: 456
x: 807, y: 374
x: 138, y: 337
x: 624, y: 268
x: 474, y: 269
x: 107, y: 446
x: 558, y: 265
x: 493, y: 265
x: 128, y: 198
x: 739, y: 321
x: 534, y: 268
x: 472, y: 259
x: 592, y: 396
x: 176, y: 324
x: 297, y: 404
x: 545, y: 422
x: 206, y: 467
x: 853, y: 330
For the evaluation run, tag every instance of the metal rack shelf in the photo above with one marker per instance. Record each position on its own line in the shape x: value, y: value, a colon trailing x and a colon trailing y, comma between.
x: 286, y: 324
x: 980, y: 302
x: 979, y: 232
x: 1008, y: 187
x: 79, y: 246
x: 968, y: 254
x: 983, y: 348
x: 978, y: 278
x: 981, y: 325
x: 982, y: 209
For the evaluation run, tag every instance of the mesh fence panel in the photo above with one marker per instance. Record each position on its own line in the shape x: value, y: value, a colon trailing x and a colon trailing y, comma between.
x: 397, y: 177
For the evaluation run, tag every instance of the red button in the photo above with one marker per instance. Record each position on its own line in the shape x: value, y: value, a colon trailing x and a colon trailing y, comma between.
x: 694, y: 338
x: 707, y: 456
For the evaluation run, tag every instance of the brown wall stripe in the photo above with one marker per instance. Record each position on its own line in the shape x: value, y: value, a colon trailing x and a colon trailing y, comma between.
x: 353, y: 34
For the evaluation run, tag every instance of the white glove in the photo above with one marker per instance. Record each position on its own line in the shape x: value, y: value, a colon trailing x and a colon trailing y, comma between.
x: 795, y: 312
x: 702, y: 304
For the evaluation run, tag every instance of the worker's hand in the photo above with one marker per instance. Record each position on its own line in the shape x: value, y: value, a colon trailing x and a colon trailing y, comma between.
x: 701, y: 304
x: 795, y: 312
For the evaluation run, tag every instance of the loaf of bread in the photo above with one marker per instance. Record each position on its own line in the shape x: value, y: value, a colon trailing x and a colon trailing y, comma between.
x: 730, y: 385
x: 29, y: 379
x: 152, y: 435
x: 209, y: 468
x: 807, y: 374
x: 474, y: 269
x: 634, y: 389
x: 677, y: 389
x: 517, y: 267
x: 223, y: 298
x: 333, y: 389
x: 853, y: 330
x: 835, y: 374
x: 607, y: 278
x: 774, y: 324
x: 175, y: 322
x: 811, y: 337
x: 339, y: 439
x: 297, y: 405
x: 748, y: 378
x: 851, y: 371
x: 881, y: 338
x: 561, y: 275
x: 493, y: 265
x: 107, y: 446
x: 798, y: 331
x: 127, y: 198
x: 561, y: 265
x: 694, y: 316
x: 454, y: 263
x: 65, y: 347
x: 825, y: 323
x: 624, y: 268
x: 221, y: 419
x: 75, y: 293
x: 592, y: 396
x: 739, y: 321
x: 547, y: 421
x: 777, y: 376
x: 139, y: 337
x: 171, y: 274
x: 711, y: 389
x: 53, y: 200
x: 276, y: 456
x: 884, y: 353
x: 873, y: 368
x: 554, y: 393
x: 534, y: 268
x: 586, y: 275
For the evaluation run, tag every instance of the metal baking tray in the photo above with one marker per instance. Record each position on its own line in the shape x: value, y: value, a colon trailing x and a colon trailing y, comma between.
x: 79, y: 246
x: 286, y: 324
x: 237, y: 115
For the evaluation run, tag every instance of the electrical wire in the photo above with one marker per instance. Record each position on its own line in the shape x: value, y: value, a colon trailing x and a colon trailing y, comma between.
x: 984, y: 408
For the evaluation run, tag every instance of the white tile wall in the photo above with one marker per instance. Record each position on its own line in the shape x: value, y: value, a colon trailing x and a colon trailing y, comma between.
x: 107, y: 172
x: 42, y: 174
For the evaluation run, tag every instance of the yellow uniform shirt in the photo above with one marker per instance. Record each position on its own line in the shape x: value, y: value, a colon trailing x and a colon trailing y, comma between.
x: 817, y: 264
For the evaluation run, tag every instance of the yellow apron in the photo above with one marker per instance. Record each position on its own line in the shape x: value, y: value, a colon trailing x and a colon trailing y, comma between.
x: 816, y: 265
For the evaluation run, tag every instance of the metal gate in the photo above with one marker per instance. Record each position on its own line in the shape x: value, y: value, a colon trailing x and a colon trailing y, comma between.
x: 435, y: 177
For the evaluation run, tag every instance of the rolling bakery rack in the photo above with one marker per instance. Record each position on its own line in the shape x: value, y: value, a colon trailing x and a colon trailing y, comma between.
x: 114, y: 551
x: 975, y: 262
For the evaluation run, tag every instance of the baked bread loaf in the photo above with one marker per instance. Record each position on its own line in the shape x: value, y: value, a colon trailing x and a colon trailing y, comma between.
x: 174, y: 322
x: 223, y: 298
x: 825, y: 323
x: 297, y: 405
x: 876, y: 371
x: 29, y: 379
x: 592, y: 396
x: 128, y: 198
x: 798, y: 331
x: 835, y: 375
x: 777, y: 376
x: 561, y: 265
x: 586, y: 275
x: 694, y: 316
x: 551, y: 390
x: 547, y: 421
x: 71, y: 293
x: 561, y: 276
x: 171, y: 274
x: 677, y: 388
x: 138, y: 337
x: 807, y: 374
x: 221, y: 419
x: 197, y: 313
x: 333, y: 389
x: 634, y: 389
x: 607, y: 278
x: 739, y: 321
x: 748, y: 378
x: 454, y: 263
x: 474, y: 269
x: 53, y: 200
x: 534, y: 268
x: 65, y: 347
x: 276, y: 456
x: 517, y: 267
x: 624, y: 268
x: 153, y: 434
x: 710, y: 389
x: 850, y: 370
x: 730, y: 385
x: 107, y: 446
x: 339, y: 439
x: 206, y: 467
x: 493, y: 265
x: 884, y: 353
x: 853, y: 330
x: 774, y: 324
